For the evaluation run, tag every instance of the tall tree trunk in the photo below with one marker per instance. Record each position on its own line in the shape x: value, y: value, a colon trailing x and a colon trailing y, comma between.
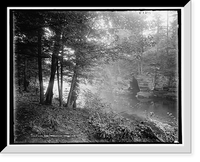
x: 18, y: 73
x: 141, y: 58
x: 142, y: 51
x: 139, y: 72
x: 61, y: 79
x: 58, y: 80
x: 167, y: 33
x: 49, y: 93
x: 157, y: 51
x: 25, y: 74
x: 155, y: 78
x: 157, y: 38
x: 71, y: 100
x: 36, y: 85
x: 139, y: 65
x: 40, y: 69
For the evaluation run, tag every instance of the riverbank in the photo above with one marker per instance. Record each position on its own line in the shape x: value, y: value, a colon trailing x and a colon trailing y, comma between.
x: 35, y: 123
x: 158, y: 94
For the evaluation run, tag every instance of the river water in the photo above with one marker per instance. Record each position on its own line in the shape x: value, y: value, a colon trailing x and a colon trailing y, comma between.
x: 162, y: 110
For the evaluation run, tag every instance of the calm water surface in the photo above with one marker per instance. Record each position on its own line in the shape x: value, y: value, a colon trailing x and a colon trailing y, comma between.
x: 158, y: 109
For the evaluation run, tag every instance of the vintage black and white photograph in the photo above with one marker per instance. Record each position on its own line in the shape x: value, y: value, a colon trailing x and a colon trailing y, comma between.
x: 96, y: 76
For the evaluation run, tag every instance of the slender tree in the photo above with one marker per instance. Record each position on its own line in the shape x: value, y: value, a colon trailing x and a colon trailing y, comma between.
x: 71, y: 100
x: 25, y: 74
x: 49, y: 93
x: 61, y: 75
x: 40, y: 67
x: 167, y: 49
x: 59, y: 86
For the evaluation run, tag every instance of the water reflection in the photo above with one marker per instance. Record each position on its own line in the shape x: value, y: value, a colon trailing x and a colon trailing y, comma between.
x: 159, y: 109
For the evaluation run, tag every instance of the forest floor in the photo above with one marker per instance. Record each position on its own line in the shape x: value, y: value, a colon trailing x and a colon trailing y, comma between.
x: 36, y: 123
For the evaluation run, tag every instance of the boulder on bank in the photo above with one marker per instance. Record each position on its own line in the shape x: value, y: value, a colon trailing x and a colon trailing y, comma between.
x: 144, y: 94
x: 134, y: 88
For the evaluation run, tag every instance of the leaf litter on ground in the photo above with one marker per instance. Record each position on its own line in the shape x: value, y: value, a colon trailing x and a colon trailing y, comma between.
x: 36, y: 123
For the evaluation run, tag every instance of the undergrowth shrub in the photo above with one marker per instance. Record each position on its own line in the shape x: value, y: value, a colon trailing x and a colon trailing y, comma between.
x: 169, y: 135
x: 113, y: 132
x: 109, y: 126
